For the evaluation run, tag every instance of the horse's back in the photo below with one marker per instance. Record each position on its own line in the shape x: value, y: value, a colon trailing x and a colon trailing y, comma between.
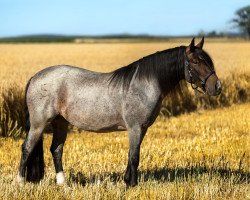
x: 50, y: 82
x: 81, y: 96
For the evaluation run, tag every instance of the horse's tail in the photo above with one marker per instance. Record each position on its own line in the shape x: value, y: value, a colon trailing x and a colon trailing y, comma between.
x: 26, y: 111
x: 35, y: 164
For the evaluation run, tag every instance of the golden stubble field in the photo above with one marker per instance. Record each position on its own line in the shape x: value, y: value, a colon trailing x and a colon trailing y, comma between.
x: 202, y: 155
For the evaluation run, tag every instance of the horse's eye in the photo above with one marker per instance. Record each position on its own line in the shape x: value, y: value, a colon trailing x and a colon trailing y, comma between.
x: 195, y: 62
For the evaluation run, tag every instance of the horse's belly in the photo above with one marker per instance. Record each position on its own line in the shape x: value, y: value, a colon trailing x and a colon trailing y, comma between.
x: 94, y: 117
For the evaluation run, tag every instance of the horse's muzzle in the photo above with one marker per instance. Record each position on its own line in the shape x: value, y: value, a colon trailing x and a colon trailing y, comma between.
x: 218, y: 87
x: 213, y: 89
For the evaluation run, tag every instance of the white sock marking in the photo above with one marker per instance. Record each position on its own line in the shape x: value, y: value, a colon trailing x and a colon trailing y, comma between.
x: 60, y: 178
x: 20, y: 179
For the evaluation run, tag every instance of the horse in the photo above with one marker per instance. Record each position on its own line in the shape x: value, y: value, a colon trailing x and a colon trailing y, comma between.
x: 126, y: 99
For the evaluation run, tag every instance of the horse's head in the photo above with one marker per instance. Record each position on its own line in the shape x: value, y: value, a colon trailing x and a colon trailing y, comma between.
x: 199, y: 69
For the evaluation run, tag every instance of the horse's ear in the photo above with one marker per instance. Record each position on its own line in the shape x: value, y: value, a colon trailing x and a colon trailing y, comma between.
x: 191, y: 47
x: 200, y: 45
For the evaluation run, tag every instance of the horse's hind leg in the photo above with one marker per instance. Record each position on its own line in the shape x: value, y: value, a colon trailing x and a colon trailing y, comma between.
x: 60, y: 127
x: 32, y: 155
x: 136, y: 135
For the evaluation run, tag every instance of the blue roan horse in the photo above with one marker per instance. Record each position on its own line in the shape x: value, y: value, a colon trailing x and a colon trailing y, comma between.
x: 128, y: 98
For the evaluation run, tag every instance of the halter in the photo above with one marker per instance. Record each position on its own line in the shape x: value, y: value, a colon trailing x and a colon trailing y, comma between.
x: 192, y: 71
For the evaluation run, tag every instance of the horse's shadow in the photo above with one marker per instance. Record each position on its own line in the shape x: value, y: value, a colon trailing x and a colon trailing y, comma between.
x: 164, y: 175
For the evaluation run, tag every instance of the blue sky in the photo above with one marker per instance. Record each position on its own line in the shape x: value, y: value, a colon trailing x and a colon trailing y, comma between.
x: 158, y: 17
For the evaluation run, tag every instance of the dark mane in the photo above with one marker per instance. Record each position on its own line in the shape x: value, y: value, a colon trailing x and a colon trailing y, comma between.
x: 166, y: 66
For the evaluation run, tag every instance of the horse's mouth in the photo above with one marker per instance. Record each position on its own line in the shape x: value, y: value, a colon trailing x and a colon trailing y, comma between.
x: 212, y: 93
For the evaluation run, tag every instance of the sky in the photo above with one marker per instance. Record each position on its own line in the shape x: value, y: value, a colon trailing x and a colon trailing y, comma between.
x: 96, y: 17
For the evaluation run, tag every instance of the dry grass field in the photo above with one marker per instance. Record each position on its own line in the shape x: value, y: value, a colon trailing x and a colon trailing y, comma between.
x: 200, y: 155
x: 20, y: 61
x: 194, y: 156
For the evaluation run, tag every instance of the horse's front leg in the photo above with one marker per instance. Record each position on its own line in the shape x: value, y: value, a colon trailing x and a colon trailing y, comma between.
x: 136, y: 134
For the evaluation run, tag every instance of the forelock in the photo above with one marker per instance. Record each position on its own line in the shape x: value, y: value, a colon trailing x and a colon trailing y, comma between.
x: 205, y: 56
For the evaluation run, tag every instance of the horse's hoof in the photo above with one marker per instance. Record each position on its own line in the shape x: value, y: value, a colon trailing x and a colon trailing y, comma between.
x: 133, y: 184
x: 20, y: 180
x: 126, y: 180
x: 129, y: 185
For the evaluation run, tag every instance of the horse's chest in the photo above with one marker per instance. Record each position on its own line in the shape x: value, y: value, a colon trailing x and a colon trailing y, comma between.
x: 142, y: 110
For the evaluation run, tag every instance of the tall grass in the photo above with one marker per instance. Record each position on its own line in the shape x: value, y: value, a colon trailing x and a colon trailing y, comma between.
x: 12, y: 121
x: 236, y: 89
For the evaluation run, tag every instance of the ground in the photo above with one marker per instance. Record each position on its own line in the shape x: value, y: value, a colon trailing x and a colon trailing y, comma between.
x: 202, y: 155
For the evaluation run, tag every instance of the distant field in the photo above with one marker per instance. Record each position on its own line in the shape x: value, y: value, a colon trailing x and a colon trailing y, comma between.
x: 20, y: 61
x: 202, y: 155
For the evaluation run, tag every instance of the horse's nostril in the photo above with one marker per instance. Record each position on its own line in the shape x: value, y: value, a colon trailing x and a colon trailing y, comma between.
x: 218, y: 86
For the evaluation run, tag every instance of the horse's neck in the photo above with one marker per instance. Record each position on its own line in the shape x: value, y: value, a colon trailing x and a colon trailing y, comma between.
x: 174, y: 75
